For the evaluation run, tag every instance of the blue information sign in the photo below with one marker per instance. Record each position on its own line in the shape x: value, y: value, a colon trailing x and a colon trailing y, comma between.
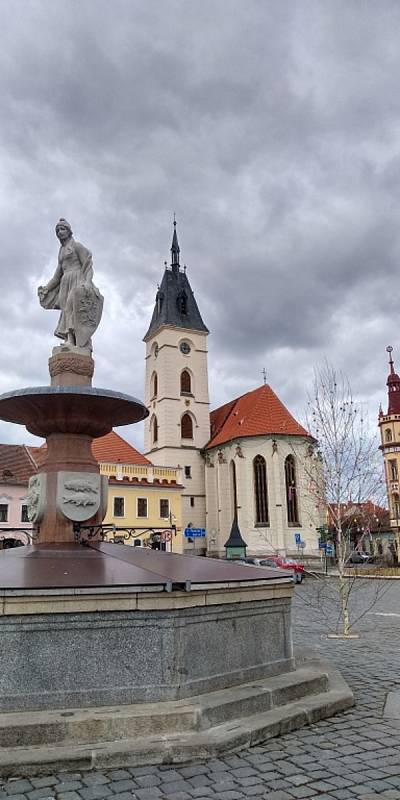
x: 329, y: 550
x: 297, y: 538
x: 321, y: 545
x: 193, y: 533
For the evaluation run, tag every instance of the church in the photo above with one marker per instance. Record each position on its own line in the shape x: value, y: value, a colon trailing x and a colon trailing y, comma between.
x: 248, y: 461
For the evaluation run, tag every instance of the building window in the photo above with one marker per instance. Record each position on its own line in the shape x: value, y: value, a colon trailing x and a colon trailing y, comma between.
x: 388, y: 435
x: 164, y: 509
x: 154, y: 385
x: 119, y: 507
x: 192, y: 502
x: 393, y: 472
x: 141, y: 507
x: 396, y: 507
x: 291, y: 491
x: 188, y: 472
x: 3, y: 512
x: 24, y: 514
x: 187, y: 427
x: 186, y: 382
x: 260, y: 491
x: 155, y: 430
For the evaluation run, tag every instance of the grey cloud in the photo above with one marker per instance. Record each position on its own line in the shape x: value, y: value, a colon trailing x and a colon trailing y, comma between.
x: 271, y: 128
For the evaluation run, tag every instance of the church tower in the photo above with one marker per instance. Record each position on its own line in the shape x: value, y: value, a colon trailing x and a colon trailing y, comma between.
x: 176, y: 386
x: 389, y: 425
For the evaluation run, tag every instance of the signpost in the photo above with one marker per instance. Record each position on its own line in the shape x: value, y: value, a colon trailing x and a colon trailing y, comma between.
x: 297, y: 538
x: 194, y: 533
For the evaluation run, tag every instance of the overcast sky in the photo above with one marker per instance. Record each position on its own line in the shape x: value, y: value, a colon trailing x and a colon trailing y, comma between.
x: 271, y: 128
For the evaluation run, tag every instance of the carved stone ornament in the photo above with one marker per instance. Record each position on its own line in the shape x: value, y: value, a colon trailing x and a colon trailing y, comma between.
x: 36, y: 497
x: 78, y: 495
x: 80, y: 365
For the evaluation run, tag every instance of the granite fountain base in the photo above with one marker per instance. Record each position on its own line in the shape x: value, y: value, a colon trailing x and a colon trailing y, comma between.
x: 113, y: 655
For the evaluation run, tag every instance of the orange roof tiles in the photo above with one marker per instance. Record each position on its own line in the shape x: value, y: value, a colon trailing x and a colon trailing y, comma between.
x: 114, y: 448
x: 17, y: 464
x: 110, y: 448
x: 255, y: 413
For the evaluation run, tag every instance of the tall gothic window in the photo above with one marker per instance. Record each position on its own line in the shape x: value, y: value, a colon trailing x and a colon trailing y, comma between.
x: 187, y: 427
x: 396, y: 506
x: 291, y: 491
x: 233, y: 489
x: 260, y: 491
x: 154, y: 385
x: 155, y: 430
x: 186, y: 382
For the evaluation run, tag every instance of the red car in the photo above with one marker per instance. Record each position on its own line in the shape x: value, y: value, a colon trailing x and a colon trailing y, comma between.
x: 284, y: 563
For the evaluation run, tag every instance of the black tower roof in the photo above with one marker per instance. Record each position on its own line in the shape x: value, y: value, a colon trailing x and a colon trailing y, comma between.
x: 175, y: 304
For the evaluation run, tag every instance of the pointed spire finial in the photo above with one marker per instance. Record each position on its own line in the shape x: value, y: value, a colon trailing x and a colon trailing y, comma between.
x: 175, y: 249
x: 389, y: 350
x: 264, y: 373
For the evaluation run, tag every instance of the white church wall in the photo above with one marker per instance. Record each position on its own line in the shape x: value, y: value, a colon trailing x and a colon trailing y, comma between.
x: 278, y: 536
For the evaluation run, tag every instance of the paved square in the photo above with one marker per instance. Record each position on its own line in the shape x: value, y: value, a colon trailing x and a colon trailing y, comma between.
x: 353, y: 755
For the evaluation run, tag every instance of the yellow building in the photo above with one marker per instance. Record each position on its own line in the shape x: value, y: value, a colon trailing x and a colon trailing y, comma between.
x: 389, y: 425
x: 140, y: 496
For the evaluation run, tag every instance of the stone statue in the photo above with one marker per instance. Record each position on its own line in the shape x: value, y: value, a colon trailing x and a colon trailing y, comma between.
x: 71, y: 289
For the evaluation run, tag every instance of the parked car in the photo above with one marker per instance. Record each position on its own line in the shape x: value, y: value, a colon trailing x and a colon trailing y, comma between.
x: 289, y: 564
x: 359, y: 558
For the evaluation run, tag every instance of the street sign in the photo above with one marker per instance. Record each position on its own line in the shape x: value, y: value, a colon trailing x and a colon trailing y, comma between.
x: 329, y: 550
x: 322, y: 545
x: 297, y: 538
x: 193, y: 533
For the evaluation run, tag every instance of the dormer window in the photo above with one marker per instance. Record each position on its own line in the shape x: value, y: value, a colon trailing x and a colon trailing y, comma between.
x: 182, y: 302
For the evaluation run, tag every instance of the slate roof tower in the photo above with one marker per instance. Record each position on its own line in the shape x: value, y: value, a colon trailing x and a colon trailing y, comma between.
x: 176, y: 385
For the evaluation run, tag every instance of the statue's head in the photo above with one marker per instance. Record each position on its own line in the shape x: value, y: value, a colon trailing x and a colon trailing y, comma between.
x: 63, y: 230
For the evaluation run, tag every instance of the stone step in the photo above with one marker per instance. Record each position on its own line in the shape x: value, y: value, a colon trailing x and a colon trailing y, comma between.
x: 34, y: 728
x: 181, y: 746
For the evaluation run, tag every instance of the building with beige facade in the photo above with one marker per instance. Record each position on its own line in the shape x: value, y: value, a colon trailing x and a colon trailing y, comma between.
x: 248, y: 460
x: 389, y: 426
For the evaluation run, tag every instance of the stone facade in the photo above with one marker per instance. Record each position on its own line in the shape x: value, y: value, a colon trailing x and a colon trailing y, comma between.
x: 278, y: 535
x: 165, y: 359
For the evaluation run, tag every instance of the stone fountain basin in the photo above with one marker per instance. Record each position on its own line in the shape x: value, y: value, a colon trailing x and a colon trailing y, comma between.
x: 70, y: 409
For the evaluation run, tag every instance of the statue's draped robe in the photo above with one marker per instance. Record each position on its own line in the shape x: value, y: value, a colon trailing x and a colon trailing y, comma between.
x: 73, y: 271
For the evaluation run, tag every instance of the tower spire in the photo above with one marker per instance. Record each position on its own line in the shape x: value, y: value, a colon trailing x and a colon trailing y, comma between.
x: 389, y: 350
x: 175, y: 250
x: 393, y: 384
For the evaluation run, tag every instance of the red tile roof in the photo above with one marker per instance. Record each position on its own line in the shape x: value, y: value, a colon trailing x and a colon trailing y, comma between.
x: 114, y: 448
x: 255, y: 413
x: 17, y: 464
x: 110, y: 448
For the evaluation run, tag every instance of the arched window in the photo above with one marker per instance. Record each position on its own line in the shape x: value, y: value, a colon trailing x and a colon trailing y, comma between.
x: 291, y: 491
x: 187, y: 427
x: 396, y: 506
x: 260, y: 491
x: 233, y: 489
x: 155, y: 430
x: 388, y: 435
x: 154, y: 385
x: 186, y: 382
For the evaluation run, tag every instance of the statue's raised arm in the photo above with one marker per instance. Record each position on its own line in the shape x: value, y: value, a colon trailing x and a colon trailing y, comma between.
x: 72, y: 291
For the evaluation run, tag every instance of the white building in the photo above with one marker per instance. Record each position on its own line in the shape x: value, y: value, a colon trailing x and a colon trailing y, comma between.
x: 249, y: 458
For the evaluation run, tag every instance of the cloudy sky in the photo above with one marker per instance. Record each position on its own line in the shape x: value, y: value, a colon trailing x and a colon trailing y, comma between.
x: 271, y: 128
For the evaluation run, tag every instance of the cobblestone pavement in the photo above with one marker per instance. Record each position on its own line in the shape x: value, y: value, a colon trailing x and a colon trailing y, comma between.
x: 353, y: 755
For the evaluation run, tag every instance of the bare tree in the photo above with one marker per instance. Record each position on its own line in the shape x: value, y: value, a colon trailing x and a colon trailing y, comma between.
x: 345, y: 473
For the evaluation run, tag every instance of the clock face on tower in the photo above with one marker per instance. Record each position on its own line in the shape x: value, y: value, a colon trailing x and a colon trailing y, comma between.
x: 184, y: 348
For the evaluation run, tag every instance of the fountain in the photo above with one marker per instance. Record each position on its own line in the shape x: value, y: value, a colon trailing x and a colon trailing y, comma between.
x: 111, y: 654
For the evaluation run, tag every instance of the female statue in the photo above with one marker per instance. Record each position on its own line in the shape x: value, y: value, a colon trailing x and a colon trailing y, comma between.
x: 71, y: 289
